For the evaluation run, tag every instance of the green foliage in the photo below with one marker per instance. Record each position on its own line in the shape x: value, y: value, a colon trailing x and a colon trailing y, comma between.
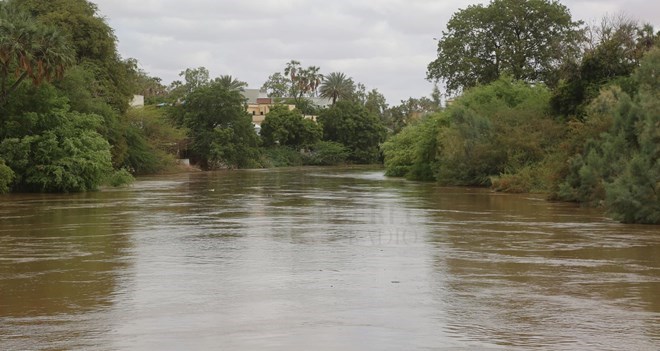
x: 412, y: 152
x: 28, y: 49
x: 530, y: 178
x: 63, y: 154
x: 620, y: 167
x: 349, y: 123
x: 524, y: 39
x: 501, y: 131
x: 337, y: 85
x: 326, y: 153
x: 281, y: 156
x: 296, y: 82
x: 409, y: 111
x: 610, y: 61
x: 499, y: 128
x: 6, y: 177
x: 220, y: 130
x: 121, y: 177
x: 289, y: 128
x: 277, y: 86
x: 157, y: 129
x: 94, y: 44
x: 152, y: 142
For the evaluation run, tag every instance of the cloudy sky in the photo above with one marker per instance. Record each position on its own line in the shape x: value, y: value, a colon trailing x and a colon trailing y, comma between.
x: 385, y: 44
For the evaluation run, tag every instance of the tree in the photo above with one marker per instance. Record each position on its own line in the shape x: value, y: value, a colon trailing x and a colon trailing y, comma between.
x: 29, y: 49
x: 314, y: 79
x: 296, y: 82
x: 277, y: 86
x: 289, y: 128
x: 349, y: 123
x: 411, y: 110
x: 614, y: 51
x: 412, y: 152
x: 50, y: 148
x: 231, y: 83
x: 220, y: 129
x: 620, y: 166
x: 94, y: 44
x: 150, y: 87
x: 337, y: 85
x: 375, y: 103
x: 526, y: 40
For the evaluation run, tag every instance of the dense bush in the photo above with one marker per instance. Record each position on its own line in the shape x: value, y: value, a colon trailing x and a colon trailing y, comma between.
x: 326, y: 153
x: 289, y: 128
x: 120, y: 177
x: 412, y: 152
x: 281, y: 156
x: 620, y: 167
x: 64, y: 154
x: 350, y: 124
x: 6, y: 177
x: 221, y: 134
x: 494, y: 130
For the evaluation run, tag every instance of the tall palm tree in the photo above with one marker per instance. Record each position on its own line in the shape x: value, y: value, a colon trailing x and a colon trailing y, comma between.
x: 231, y: 83
x: 29, y: 49
x: 314, y: 79
x: 337, y: 85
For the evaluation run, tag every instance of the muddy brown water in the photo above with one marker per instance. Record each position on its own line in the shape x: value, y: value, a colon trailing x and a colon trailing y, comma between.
x: 323, y: 259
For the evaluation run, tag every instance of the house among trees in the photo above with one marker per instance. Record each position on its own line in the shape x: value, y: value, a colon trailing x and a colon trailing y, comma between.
x: 259, y: 104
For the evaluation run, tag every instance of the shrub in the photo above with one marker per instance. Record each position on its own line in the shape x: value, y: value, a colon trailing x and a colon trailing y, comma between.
x: 281, y: 156
x: 6, y: 177
x: 326, y: 153
x: 121, y: 177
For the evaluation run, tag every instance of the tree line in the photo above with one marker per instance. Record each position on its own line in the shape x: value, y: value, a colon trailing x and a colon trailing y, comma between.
x: 66, y: 125
x: 543, y: 103
x: 537, y: 102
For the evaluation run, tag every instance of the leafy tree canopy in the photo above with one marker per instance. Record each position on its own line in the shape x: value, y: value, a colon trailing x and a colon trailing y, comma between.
x: 29, y: 49
x: 616, y: 47
x: 296, y: 82
x: 288, y: 128
x: 525, y: 39
x: 220, y: 129
x: 349, y: 123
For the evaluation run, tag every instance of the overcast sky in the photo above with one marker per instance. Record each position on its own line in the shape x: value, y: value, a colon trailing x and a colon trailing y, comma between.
x: 385, y: 44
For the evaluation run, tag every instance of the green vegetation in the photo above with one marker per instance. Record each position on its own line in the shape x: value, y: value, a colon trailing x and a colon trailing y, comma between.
x: 621, y: 165
x: 522, y: 39
x: 590, y: 134
x: 497, y: 129
x: 64, y: 117
x: 54, y: 149
x: 289, y: 128
x: 220, y: 130
x: 326, y: 153
x: 6, y: 177
x: 337, y: 86
x: 546, y: 105
x: 350, y: 124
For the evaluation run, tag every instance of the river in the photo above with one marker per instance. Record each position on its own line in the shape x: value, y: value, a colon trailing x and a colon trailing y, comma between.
x: 322, y: 259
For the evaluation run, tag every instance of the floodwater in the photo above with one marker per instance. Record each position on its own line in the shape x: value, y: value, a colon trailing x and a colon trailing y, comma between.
x: 321, y: 259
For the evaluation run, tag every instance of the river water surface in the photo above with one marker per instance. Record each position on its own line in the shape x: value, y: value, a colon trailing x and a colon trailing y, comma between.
x: 320, y: 259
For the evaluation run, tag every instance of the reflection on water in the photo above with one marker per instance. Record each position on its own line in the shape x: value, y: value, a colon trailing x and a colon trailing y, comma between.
x: 320, y: 258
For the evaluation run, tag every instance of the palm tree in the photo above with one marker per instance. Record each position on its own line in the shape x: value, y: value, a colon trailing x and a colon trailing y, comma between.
x: 231, y: 83
x: 337, y: 86
x: 29, y: 49
x: 314, y: 79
